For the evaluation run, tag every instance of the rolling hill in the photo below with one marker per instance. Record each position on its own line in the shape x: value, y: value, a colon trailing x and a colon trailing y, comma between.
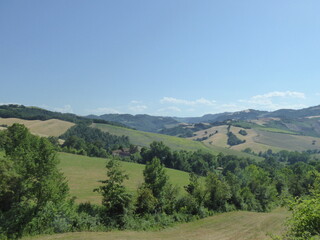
x: 141, y: 122
x: 145, y: 138
x: 258, y: 139
x: 46, y: 128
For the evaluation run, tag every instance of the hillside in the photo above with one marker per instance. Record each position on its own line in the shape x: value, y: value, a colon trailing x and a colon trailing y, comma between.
x: 36, y: 113
x: 226, y: 226
x: 52, y: 127
x: 251, y: 114
x: 258, y: 139
x: 83, y: 175
x: 145, y: 138
x: 141, y: 122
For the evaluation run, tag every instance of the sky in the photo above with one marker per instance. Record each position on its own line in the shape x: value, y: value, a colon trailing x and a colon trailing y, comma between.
x: 166, y: 57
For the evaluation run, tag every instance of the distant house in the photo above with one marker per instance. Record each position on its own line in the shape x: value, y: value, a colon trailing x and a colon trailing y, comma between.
x: 121, y: 152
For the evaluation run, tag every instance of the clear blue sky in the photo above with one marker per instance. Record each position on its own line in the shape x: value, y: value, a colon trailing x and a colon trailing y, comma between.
x: 165, y: 57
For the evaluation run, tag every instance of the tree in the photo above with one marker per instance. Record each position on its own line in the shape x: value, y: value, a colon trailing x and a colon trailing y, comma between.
x: 218, y: 193
x: 155, y: 177
x: 304, y: 222
x: 116, y: 199
x: 196, y: 194
x: 156, y: 182
x: 159, y: 150
x: 30, y: 180
x: 261, y: 186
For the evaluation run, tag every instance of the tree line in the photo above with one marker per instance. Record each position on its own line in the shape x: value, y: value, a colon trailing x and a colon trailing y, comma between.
x: 84, y: 140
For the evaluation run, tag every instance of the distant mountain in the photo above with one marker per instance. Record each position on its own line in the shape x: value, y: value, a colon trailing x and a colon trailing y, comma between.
x: 251, y: 114
x: 292, y: 114
x: 142, y: 122
x: 220, y: 117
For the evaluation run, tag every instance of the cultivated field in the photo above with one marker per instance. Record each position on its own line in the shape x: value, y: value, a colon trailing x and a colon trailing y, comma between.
x: 259, y: 139
x: 52, y: 127
x: 226, y: 226
x: 83, y: 175
x: 145, y: 138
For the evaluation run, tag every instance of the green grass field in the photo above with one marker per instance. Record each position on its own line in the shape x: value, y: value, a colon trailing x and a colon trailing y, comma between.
x: 226, y: 226
x: 145, y: 138
x: 83, y: 175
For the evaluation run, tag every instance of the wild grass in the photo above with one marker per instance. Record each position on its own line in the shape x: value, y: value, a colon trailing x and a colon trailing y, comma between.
x: 226, y: 226
x: 83, y: 175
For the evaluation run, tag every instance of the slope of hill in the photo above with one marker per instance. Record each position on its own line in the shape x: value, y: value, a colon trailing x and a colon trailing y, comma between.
x: 145, y: 138
x: 83, y: 175
x: 141, y: 122
x: 226, y: 226
x: 35, y: 113
x: 258, y: 138
x: 52, y: 127
x: 302, y: 121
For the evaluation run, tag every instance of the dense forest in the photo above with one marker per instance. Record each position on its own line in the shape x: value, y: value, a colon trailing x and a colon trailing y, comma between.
x: 34, y: 196
x: 84, y: 140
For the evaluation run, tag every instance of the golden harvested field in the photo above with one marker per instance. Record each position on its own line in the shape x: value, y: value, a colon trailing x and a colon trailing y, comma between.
x: 226, y: 226
x: 52, y: 127
x: 220, y: 138
x: 258, y: 139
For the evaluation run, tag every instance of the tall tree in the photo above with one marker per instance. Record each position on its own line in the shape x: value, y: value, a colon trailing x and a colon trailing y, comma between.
x: 29, y: 171
x: 116, y: 199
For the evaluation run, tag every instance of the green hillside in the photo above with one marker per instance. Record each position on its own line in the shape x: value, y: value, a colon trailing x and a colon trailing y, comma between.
x: 227, y: 226
x: 145, y: 138
x: 83, y: 174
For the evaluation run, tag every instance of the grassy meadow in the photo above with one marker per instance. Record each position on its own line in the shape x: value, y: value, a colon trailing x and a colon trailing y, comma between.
x: 239, y: 225
x: 83, y: 175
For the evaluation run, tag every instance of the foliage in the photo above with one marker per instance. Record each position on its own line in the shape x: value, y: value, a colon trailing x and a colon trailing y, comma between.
x: 179, y: 131
x: 116, y: 199
x: 233, y: 139
x: 199, y: 162
x: 91, y: 141
x: 30, y: 180
x: 243, y: 132
x: 156, y: 184
x: 305, y: 220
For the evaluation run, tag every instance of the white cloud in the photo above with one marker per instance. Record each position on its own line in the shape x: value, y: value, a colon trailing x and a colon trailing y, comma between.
x: 286, y: 94
x: 200, y: 101
x: 64, y: 109
x: 135, y: 102
x: 275, y: 100
x: 170, y: 109
x: 138, y: 108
